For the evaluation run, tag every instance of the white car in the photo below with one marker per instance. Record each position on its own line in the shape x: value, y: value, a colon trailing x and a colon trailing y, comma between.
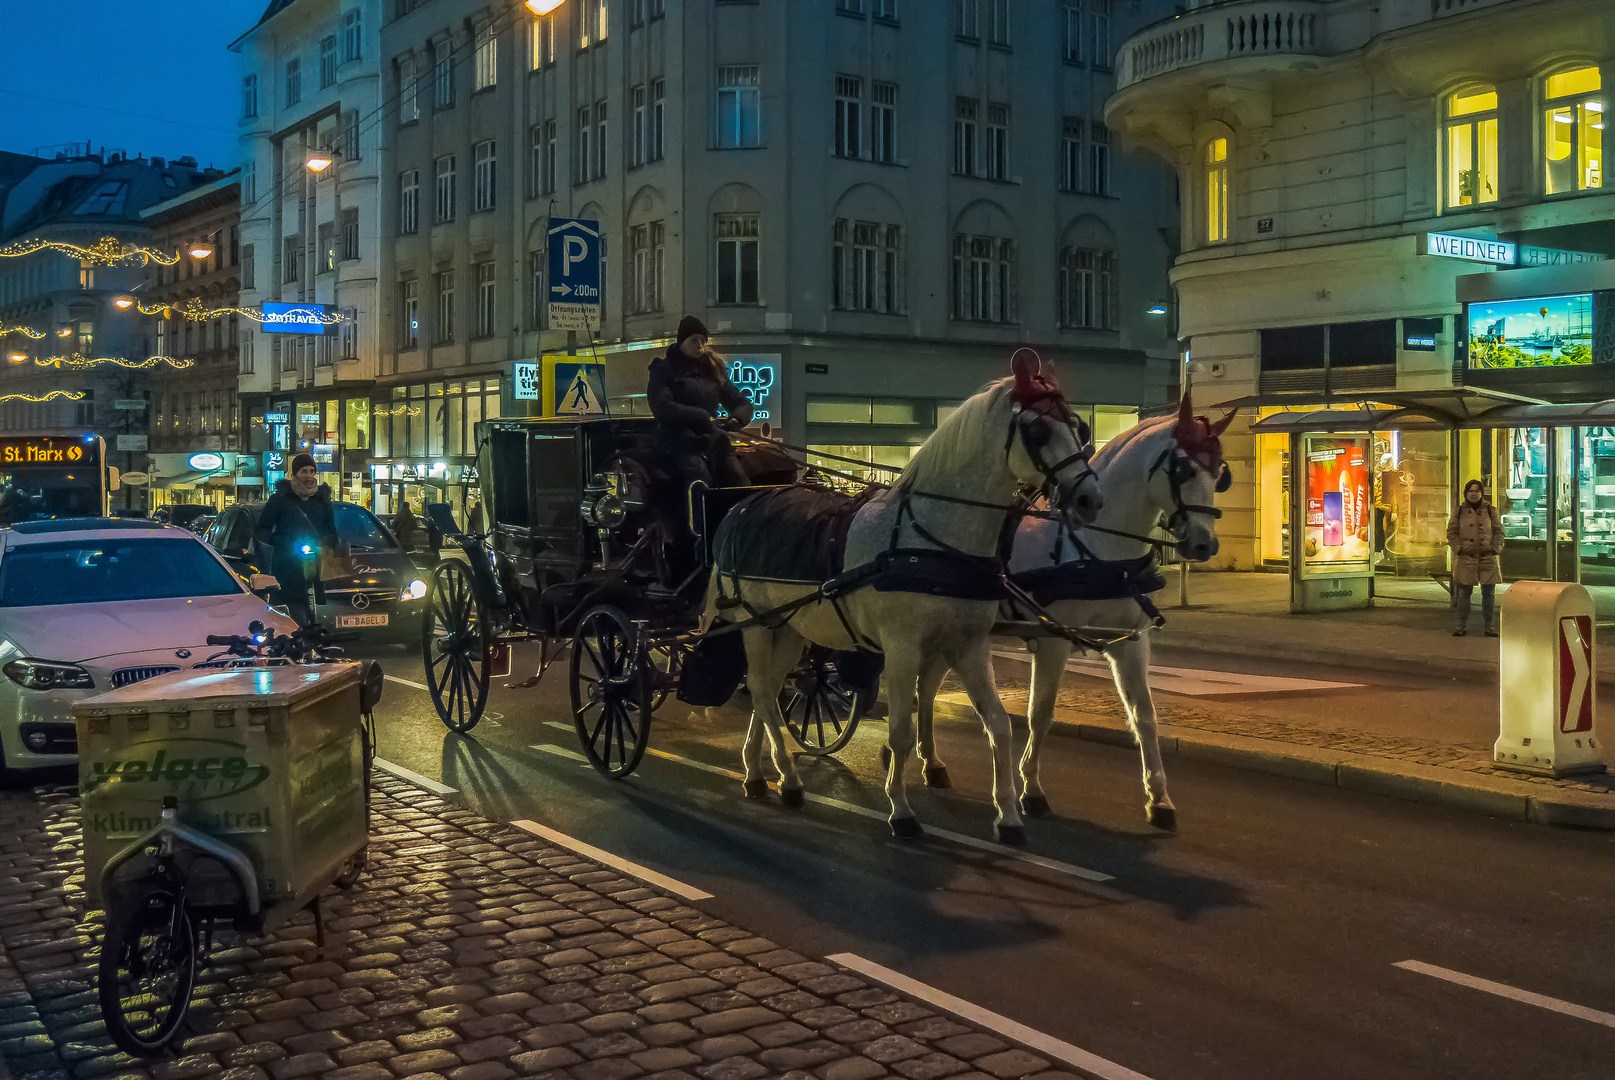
x: 91, y: 604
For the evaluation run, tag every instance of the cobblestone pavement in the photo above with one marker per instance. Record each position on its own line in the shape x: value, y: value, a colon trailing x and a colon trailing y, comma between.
x: 471, y: 950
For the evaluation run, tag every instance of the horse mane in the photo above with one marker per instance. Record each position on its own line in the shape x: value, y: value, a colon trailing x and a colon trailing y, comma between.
x: 959, y: 444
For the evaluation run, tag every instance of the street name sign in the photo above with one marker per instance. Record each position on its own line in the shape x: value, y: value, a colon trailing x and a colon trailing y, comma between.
x: 130, y: 404
x: 574, y: 274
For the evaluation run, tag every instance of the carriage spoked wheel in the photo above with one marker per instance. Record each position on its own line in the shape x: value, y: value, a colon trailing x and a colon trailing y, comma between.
x: 611, y: 691
x: 147, y: 968
x: 819, y: 709
x: 456, y: 648
x: 666, y: 662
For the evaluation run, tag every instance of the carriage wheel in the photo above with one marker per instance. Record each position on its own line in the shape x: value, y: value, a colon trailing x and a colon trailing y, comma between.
x: 455, y: 648
x: 611, y: 691
x: 147, y: 969
x: 819, y: 709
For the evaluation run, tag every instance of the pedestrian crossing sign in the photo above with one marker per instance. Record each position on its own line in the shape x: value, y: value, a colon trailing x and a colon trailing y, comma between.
x: 573, y: 387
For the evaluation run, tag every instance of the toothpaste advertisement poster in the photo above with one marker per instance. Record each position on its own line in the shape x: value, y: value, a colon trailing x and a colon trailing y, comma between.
x: 1339, y: 535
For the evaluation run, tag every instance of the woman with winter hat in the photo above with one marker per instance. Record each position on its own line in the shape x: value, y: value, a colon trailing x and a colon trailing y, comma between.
x: 296, y: 522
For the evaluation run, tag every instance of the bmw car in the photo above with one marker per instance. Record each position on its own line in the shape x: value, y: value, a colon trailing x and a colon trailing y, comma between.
x: 88, y: 605
x: 383, y: 601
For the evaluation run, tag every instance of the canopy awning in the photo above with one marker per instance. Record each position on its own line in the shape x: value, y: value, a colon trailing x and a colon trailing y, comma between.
x: 1451, y: 406
x: 184, y: 479
x: 1336, y: 420
x: 1573, y: 414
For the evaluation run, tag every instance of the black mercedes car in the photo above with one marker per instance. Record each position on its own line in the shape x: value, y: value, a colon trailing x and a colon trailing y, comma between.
x: 384, y: 600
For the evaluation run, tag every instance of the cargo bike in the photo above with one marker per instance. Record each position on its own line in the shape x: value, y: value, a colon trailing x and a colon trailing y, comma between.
x: 575, y: 548
x: 227, y: 795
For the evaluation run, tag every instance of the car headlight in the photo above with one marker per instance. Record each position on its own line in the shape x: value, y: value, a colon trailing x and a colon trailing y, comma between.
x: 415, y: 590
x: 48, y: 675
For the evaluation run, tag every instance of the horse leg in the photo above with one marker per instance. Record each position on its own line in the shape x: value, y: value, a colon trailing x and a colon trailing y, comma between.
x: 932, y: 672
x: 760, y: 649
x: 974, y: 666
x: 902, y: 676
x: 1048, y: 669
x: 784, y: 652
x: 1130, y: 667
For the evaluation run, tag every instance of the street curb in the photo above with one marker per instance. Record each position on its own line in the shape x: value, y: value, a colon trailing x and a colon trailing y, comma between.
x: 1519, y: 800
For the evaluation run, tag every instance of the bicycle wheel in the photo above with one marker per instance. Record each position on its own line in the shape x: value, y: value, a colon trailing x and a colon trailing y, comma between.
x: 148, y: 968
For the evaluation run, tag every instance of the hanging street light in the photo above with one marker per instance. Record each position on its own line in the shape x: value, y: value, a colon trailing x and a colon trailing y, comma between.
x: 199, y: 250
x: 318, y: 161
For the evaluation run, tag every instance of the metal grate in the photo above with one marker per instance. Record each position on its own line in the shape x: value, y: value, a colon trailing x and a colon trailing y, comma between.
x: 130, y: 675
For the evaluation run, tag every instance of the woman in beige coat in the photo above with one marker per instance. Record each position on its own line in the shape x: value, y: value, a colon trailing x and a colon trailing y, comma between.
x: 1475, y: 535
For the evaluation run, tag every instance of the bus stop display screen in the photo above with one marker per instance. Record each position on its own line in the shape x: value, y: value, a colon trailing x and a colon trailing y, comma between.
x: 46, y: 476
x: 63, y: 450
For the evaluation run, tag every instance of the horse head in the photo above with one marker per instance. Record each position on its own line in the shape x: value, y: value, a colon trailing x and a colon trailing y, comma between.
x: 1187, y: 476
x: 1048, y: 446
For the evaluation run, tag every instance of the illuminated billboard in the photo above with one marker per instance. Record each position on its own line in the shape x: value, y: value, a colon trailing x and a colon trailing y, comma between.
x: 1540, y: 331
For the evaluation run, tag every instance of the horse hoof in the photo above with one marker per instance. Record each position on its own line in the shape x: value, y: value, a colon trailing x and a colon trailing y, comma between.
x: 886, y: 758
x: 1012, y: 835
x: 1035, y: 805
x: 791, y: 797
x: 907, y: 828
x: 756, y: 789
x: 1164, y: 817
x: 937, y: 777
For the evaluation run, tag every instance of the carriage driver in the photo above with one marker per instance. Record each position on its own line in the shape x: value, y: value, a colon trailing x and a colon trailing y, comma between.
x: 686, y: 388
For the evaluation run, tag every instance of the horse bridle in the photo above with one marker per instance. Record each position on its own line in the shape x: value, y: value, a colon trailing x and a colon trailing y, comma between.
x: 1180, y: 467
x: 1030, y: 419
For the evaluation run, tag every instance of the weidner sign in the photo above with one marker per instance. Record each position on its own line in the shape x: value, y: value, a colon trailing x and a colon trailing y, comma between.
x: 1472, y: 248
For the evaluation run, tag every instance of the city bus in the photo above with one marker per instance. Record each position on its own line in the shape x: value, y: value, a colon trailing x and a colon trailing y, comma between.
x: 49, y: 476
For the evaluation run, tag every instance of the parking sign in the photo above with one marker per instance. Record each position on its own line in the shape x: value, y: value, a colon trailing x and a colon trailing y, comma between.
x: 574, y: 274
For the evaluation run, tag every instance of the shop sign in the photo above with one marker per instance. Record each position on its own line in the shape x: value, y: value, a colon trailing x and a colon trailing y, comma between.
x: 324, y: 454
x: 133, y: 443
x: 1339, y: 507
x: 574, y: 274
x: 756, y: 375
x: 308, y: 418
x: 130, y: 404
x: 296, y: 318
x: 274, y: 461
x: 206, y: 462
x: 1472, y: 248
x: 277, y: 418
x: 134, y: 479
x: 526, y: 382
x: 1541, y: 256
x: 1421, y: 335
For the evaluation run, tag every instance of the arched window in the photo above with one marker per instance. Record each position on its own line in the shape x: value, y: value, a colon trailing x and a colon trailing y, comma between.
x: 1216, y: 164
x: 1573, y: 131
x: 1469, y: 117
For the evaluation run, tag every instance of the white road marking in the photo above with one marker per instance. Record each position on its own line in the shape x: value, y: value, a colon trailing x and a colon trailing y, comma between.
x: 408, y: 682
x: 560, y: 752
x: 414, y: 777
x: 633, y: 869
x: 1047, y: 1045
x: 1541, y: 1001
x: 930, y: 830
x: 1193, y: 682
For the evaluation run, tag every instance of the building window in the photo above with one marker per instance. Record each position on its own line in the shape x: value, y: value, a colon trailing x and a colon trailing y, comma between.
x: 352, y: 44
x: 965, y: 115
x: 1099, y: 31
x: 1471, y: 146
x: 543, y: 41
x: 249, y: 267
x: 291, y: 263
x: 485, y: 299
x: 551, y: 154
x: 485, y: 66
x: 739, y: 107
x: 1087, y: 289
x: 998, y: 22
x: 984, y: 279
x: 737, y: 258
x: 249, y: 97
x: 1071, y: 31
x: 244, y: 354
x: 348, y: 333
x: 636, y: 12
x: 443, y: 332
x: 647, y: 244
x: 584, y: 158
x: 484, y: 176
x: 600, y: 139
x: 849, y: 109
x: 409, y: 201
x: 1071, y: 154
x: 866, y: 267
x: 409, y: 314
x: 442, y: 76
x: 1216, y: 166
x: 294, y: 82
x: 1098, y: 159
x: 883, y: 122
x: 537, y: 263
x: 658, y: 111
x: 636, y: 142
x: 350, y: 135
x: 997, y: 142
x: 969, y: 19
x: 445, y: 188
x: 249, y: 184
x: 325, y: 245
x: 409, y: 102
x: 1572, y: 131
x: 328, y: 62
x: 350, y: 234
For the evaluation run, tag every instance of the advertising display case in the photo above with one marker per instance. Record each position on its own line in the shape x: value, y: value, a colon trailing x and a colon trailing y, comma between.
x: 1339, y: 520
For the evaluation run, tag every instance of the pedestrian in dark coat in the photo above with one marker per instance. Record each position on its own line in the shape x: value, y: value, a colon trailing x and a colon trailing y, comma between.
x: 1475, y: 534
x: 295, y: 523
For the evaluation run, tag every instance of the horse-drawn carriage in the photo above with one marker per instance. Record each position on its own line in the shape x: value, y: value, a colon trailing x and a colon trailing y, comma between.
x: 578, y: 547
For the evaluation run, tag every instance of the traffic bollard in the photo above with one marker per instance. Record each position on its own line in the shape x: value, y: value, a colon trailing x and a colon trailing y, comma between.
x: 1547, y: 681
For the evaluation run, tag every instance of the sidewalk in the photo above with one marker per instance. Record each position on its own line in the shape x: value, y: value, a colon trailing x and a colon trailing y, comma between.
x: 470, y: 950
x: 1408, y: 630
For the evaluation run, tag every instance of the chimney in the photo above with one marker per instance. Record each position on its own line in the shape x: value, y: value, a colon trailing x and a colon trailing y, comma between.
x: 158, y: 163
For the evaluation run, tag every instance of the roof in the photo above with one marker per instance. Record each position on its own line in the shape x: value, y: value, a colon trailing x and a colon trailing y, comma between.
x: 209, y: 196
x: 96, y: 195
x: 57, y: 526
x: 275, y: 8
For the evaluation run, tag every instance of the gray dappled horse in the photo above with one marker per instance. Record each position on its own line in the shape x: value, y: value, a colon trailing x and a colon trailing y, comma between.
x: 948, y: 509
x: 1168, y: 469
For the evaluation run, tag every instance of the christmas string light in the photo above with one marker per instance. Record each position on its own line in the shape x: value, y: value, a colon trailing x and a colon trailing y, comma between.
x: 192, y: 309
x: 25, y: 331
x: 397, y: 410
x: 107, y: 251
x: 54, y: 395
x: 76, y: 360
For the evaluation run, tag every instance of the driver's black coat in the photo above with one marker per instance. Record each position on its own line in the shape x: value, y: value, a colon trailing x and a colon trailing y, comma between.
x: 685, y: 396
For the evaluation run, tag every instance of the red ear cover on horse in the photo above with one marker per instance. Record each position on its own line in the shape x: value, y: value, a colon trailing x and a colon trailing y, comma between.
x: 1221, y: 426
x: 1032, y: 384
x: 1187, y: 433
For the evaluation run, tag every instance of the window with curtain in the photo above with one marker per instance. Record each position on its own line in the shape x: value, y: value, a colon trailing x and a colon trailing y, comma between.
x: 485, y: 59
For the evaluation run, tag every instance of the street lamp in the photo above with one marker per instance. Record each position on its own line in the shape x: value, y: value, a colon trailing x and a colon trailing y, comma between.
x: 318, y: 161
x: 1156, y: 309
x: 200, y: 250
x: 543, y: 7
x: 123, y: 303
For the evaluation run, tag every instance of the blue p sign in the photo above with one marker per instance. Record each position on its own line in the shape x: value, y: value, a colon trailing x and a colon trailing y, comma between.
x: 574, y: 274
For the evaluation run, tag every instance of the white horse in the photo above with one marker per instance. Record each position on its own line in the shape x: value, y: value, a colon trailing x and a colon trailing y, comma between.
x: 945, y: 514
x: 1167, y: 468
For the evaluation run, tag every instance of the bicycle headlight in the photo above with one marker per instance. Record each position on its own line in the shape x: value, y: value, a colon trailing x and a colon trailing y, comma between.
x: 415, y: 590
x: 48, y: 675
x: 307, y: 549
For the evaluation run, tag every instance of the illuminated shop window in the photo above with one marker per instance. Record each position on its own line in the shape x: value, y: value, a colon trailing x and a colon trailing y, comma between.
x: 1470, y: 120
x: 1573, y: 131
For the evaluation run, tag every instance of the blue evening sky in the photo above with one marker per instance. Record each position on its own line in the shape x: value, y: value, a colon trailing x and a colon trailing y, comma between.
x: 147, y: 77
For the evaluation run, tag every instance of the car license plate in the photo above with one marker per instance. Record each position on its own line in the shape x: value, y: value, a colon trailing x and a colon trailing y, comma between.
x: 344, y: 622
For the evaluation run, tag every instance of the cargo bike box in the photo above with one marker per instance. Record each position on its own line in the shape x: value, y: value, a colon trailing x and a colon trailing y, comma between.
x: 266, y: 760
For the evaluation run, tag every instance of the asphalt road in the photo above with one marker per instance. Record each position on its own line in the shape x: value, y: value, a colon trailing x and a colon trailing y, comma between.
x: 1260, y: 941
